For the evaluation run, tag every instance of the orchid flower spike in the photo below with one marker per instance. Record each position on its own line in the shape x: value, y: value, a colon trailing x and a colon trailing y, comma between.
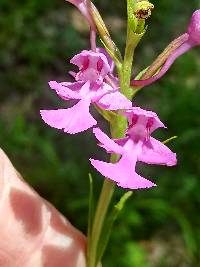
x: 191, y: 39
x: 138, y: 145
x: 90, y: 86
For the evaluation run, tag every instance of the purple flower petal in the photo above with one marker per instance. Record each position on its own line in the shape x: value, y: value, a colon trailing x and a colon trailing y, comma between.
x: 67, y: 90
x: 121, y: 141
x: 107, y: 143
x: 114, y: 101
x: 155, y: 152
x: 194, y: 28
x: 93, y: 66
x: 110, y: 61
x: 72, y: 120
x: 123, y: 173
x: 139, y: 118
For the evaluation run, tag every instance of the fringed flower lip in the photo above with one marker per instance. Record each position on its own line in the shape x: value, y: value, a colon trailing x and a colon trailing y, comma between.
x: 138, y: 145
x: 190, y: 39
x: 89, y: 87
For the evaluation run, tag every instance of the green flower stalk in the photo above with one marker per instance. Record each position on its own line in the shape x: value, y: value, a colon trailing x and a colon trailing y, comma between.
x: 95, y: 83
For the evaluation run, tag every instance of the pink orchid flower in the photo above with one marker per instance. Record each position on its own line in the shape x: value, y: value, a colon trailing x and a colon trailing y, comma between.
x: 188, y: 41
x: 89, y: 87
x: 138, y: 145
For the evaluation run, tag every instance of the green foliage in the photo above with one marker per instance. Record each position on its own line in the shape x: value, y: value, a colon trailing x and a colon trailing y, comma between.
x: 37, y: 39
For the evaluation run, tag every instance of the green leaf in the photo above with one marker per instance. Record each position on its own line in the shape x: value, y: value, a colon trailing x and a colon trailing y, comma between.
x: 109, y: 223
x: 91, y: 208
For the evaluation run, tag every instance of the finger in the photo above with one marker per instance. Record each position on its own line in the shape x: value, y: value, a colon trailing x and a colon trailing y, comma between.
x: 32, y: 232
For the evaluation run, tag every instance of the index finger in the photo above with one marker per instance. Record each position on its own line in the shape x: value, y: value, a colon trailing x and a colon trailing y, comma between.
x: 32, y: 232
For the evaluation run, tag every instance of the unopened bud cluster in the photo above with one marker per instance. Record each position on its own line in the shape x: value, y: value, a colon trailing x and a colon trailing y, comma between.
x: 143, y: 9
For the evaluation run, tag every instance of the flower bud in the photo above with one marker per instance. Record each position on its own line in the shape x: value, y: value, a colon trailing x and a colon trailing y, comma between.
x: 175, y: 49
x: 143, y: 9
x: 194, y: 28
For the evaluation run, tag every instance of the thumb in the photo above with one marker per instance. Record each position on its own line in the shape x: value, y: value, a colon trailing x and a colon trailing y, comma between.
x: 32, y: 232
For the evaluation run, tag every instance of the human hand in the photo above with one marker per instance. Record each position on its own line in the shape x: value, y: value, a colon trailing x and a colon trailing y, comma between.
x: 32, y: 232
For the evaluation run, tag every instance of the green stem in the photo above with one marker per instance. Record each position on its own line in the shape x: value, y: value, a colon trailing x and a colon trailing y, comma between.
x: 101, y: 211
x: 118, y: 127
x: 127, y: 68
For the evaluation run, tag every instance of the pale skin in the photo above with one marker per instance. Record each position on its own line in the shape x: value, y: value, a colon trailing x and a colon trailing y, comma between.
x: 32, y: 232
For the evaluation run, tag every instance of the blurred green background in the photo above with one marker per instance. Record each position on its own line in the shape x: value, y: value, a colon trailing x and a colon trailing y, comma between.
x: 158, y: 227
